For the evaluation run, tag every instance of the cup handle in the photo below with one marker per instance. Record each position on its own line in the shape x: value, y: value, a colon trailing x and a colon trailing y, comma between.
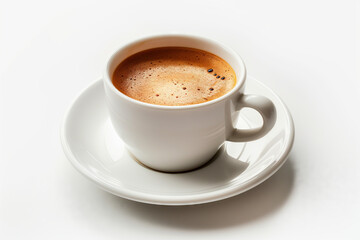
x: 267, y: 110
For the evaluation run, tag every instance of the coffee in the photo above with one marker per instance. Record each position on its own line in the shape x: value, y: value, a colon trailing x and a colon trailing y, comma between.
x: 174, y: 76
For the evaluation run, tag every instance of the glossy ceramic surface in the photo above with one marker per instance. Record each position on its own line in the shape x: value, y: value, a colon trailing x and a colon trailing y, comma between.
x: 190, y: 134
x: 94, y: 149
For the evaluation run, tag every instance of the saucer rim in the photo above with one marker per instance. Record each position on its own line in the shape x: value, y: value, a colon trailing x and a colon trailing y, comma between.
x: 200, y: 198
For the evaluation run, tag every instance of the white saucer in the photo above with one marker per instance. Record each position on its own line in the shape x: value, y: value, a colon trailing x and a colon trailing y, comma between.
x: 97, y: 152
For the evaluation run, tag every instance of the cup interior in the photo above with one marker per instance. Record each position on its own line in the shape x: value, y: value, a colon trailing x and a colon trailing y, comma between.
x: 179, y: 41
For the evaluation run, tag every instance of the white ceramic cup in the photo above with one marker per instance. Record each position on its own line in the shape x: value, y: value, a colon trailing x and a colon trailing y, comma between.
x: 182, y: 138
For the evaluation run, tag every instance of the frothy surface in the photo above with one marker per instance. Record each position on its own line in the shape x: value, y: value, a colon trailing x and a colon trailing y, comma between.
x: 174, y: 76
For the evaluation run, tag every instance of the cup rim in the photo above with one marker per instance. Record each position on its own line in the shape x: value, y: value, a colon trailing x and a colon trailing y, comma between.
x: 240, y: 78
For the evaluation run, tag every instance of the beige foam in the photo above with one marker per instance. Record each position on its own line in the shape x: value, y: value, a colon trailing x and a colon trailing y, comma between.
x: 174, y: 76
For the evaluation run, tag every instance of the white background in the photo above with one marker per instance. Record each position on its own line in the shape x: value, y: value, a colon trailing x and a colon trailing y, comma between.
x: 306, y: 51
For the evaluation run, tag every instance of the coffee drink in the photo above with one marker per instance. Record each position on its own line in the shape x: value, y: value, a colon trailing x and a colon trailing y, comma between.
x: 174, y: 105
x: 174, y: 76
